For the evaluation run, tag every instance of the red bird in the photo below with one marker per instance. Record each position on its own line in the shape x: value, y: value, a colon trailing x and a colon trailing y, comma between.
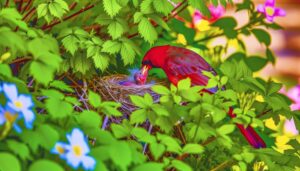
x: 180, y: 63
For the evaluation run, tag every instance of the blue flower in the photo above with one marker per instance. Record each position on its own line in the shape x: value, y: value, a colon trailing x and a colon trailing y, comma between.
x: 9, y: 115
x: 76, y: 152
x: 19, y: 103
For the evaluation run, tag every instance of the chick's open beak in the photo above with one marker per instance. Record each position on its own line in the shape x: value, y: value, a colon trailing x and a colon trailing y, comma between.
x: 144, y: 70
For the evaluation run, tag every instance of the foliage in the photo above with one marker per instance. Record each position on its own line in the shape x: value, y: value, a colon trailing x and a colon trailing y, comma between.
x: 49, y: 49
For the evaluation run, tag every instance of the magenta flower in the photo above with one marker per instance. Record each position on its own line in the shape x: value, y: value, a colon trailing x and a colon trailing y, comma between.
x: 215, y: 12
x: 270, y: 11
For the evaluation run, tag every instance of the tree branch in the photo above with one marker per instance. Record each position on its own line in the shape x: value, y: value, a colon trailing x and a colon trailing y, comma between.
x: 27, y: 6
x: 223, y: 165
x: 68, y: 17
x: 20, y: 5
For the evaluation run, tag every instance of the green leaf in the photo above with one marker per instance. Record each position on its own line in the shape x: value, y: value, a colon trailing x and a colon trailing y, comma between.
x: 146, y: 6
x: 71, y: 43
x: 48, y: 136
x: 119, y: 131
x: 157, y: 150
x: 270, y: 56
x: 111, y: 47
x: 115, y: 29
x: 159, y: 89
x: 226, y: 129
x: 200, y: 5
x: 9, y: 162
x: 226, y: 23
x: 60, y: 85
x: 160, y: 110
x: 94, y: 99
x: 138, y: 101
x: 101, y: 60
x: 19, y: 149
x: 137, y: 17
x: 127, y: 53
x: 184, y: 84
x: 262, y: 36
x: 164, y: 7
x: 42, y: 77
x: 103, y: 19
x: 42, y: 10
x: 149, y: 166
x: 193, y: 149
x: 64, y: 109
x: 5, y: 70
x: 89, y: 119
x: 45, y: 165
x: 181, y: 166
x: 121, y: 154
x: 111, y: 7
x: 256, y: 63
x: 142, y: 135
x: 138, y: 116
x: 147, y: 30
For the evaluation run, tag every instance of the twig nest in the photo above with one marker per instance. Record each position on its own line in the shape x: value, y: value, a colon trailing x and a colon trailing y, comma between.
x: 118, y: 88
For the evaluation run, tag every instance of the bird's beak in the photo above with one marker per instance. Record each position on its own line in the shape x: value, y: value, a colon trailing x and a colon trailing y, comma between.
x: 145, y: 70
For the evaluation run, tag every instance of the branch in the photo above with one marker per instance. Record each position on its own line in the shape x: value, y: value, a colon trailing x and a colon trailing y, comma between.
x: 223, y: 165
x: 29, y: 13
x: 20, y: 60
x: 20, y: 5
x: 68, y: 17
x: 27, y: 6
x: 7, y: 3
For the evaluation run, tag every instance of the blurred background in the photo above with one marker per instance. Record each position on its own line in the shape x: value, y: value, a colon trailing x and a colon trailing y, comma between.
x: 285, y: 43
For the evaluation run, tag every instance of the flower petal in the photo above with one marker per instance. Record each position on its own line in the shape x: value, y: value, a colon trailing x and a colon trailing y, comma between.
x: 270, y: 18
x: 280, y: 12
x: 17, y: 128
x: 88, y: 162
x: 261, y: 8
x: 270, y: 3
x: 10, y: 91
x: 73, y: 160
x: 77, y: 138
x: 28, y: 117
x: 2, y: 117
x: 26, y: 101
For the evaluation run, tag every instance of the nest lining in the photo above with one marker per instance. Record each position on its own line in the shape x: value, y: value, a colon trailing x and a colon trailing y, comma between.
x: 111, y: 90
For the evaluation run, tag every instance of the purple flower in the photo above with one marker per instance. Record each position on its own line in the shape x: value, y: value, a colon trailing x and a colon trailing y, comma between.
x: 270, y: 10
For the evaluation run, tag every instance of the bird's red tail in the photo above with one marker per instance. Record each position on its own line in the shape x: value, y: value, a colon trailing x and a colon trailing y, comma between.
x: 249, y: 133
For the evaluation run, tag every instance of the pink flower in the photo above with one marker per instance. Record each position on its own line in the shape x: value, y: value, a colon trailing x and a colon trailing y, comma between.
x: 215, y: 12
x: 270, y: 11
x: 294, y: 95
x: 290, y: 127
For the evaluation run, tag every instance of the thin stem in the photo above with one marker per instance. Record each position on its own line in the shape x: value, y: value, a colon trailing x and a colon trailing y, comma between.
x: 27, y: 6
x: 105, y: 122
x: 20, y: 5
x: 29, y: 13
x: 7, y: 3
x: 68, y: 17
x: 19, y: 60
x: 145, y: 146
x: 223, y: 165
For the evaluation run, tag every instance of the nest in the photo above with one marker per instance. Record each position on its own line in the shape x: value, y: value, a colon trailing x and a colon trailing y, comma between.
x: 111, y: 90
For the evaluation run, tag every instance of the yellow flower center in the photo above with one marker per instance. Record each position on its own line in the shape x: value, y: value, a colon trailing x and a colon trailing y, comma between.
x: 10, y: 117
x: 18, y: 104
x: 60, y: 149
x: 203, y: 25
x: 77, y: 150
x: 270, y: 11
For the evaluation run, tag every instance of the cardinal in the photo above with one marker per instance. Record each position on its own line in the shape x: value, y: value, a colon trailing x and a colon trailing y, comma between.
x: 180, y: 63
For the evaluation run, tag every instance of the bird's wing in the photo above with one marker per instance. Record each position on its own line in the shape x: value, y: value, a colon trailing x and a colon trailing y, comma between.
x: 183, y: 63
